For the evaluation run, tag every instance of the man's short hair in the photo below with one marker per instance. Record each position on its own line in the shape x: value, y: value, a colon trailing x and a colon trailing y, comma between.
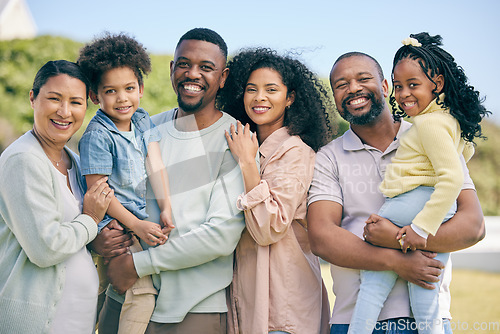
x: 207, y: 35
x: 361, y: 54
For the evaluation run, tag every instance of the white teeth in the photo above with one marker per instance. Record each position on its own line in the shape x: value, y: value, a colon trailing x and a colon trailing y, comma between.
x: 260, y: 108
x: 60, y: 123
x: 193, y: 88
x: 409, y: 104
x: 357, y: 101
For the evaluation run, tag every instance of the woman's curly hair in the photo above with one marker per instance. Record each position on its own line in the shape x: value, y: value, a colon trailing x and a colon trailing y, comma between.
x: 307, y: 117
x: 113, y: 51
x: 460, y: 98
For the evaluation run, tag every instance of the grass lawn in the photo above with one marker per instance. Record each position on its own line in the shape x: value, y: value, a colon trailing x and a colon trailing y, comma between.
x: 475, y: 304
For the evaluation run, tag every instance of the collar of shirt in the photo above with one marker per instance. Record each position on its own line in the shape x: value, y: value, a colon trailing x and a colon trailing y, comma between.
x: 267, y: 148
x: 352, y: 142
x: 137, y: 117
x: 434, y: 106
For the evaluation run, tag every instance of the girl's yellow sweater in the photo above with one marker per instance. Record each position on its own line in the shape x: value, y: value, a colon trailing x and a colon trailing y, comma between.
x: 429, y: 155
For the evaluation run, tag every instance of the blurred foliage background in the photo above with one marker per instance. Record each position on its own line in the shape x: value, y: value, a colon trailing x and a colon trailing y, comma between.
x: 20, y: 60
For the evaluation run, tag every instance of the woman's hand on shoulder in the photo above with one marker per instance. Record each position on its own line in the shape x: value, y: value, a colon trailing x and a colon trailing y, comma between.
x: 97, y: 199
x: 242, y: 143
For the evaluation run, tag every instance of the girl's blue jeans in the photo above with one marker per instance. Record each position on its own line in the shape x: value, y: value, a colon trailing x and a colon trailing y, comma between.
x: 376, y: 285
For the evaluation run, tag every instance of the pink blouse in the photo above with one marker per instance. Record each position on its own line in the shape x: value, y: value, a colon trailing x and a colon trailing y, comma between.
x: 277, y: 284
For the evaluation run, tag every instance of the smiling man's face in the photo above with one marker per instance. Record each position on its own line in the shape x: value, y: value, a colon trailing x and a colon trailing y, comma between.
x: 197, y: 72
x: 358, y: 89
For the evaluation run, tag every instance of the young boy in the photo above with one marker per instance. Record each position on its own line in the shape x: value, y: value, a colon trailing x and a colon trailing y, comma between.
x: 122, y: 142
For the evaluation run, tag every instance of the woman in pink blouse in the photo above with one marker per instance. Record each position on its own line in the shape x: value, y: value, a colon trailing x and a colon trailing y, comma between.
x: 277, y: 285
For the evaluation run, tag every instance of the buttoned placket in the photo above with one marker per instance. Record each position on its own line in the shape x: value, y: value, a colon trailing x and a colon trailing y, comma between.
x: 135, y: 143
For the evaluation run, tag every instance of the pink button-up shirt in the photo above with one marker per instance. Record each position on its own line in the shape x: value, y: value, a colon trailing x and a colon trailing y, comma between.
x: 277, y: 284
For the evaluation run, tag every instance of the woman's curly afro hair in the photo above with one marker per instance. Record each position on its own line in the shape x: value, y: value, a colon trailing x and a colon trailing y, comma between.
x: 113, y: 51
x: 307, y: 117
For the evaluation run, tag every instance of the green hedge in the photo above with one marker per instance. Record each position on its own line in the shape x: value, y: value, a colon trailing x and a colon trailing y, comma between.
x: 20, y: 59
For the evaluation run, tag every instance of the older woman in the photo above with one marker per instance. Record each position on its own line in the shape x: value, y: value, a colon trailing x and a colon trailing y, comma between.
x: 277, y: 285
x: 48, y: 282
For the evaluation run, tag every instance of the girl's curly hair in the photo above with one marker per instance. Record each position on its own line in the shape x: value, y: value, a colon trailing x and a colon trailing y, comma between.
x: 307, y: 117
x: 112, y: 51
x: 460, y: 98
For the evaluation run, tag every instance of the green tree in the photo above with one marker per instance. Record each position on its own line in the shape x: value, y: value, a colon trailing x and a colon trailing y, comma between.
x: 21, y: 59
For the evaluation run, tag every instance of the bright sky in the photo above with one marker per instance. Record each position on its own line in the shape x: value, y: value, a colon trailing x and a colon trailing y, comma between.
x: 319, y: 30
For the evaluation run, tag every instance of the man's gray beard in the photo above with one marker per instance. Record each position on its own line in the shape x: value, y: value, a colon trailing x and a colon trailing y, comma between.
x: 375, y: 111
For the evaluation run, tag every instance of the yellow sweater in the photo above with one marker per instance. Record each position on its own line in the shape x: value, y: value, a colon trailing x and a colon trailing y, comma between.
x: 429, y: 155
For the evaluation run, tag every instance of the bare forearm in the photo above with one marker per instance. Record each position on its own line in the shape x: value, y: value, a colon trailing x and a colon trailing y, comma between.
x: 158, y: 176
x: 115, y: 208
x: 120, y: 213
x: 160, y: 185
x: 250, y: 173
x: 339, y: 246
x: 342, y: 248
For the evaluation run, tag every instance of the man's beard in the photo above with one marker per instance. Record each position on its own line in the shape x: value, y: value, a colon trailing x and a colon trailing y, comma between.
x: 189, y: 107
x: 375, y: 110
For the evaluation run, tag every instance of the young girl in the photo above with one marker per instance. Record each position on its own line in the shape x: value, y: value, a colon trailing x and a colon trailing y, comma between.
x: 277, y: 285
x: 425, y: 176
x: 122, y: 142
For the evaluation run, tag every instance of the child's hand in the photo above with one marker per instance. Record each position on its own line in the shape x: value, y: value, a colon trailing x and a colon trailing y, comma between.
x: 409, y: 239
x: 166, y: 231
x: 166, y: 219
x: 166, y: 222
x: 150, y: 232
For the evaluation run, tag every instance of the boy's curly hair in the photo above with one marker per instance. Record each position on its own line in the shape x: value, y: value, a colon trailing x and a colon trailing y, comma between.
x: 460, y: 97
x: 307, y: 117
x: 113, y: 51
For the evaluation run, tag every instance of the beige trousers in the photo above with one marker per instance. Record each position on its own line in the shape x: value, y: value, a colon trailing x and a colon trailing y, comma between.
x: 139, y: 302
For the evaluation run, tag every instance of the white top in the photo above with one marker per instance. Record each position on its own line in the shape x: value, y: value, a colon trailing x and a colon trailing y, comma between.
x: 349, y: 172
x: 76, y: 310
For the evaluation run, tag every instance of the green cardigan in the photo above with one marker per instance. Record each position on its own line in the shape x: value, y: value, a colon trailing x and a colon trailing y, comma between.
x: 34, y: 241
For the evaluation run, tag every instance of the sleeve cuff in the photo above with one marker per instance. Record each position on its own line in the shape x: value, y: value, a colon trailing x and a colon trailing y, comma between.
x: 421, y: 232
x: 254, y: 197
x: 241, y: 202
x: 143, y: 263
x: 89, y: 224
